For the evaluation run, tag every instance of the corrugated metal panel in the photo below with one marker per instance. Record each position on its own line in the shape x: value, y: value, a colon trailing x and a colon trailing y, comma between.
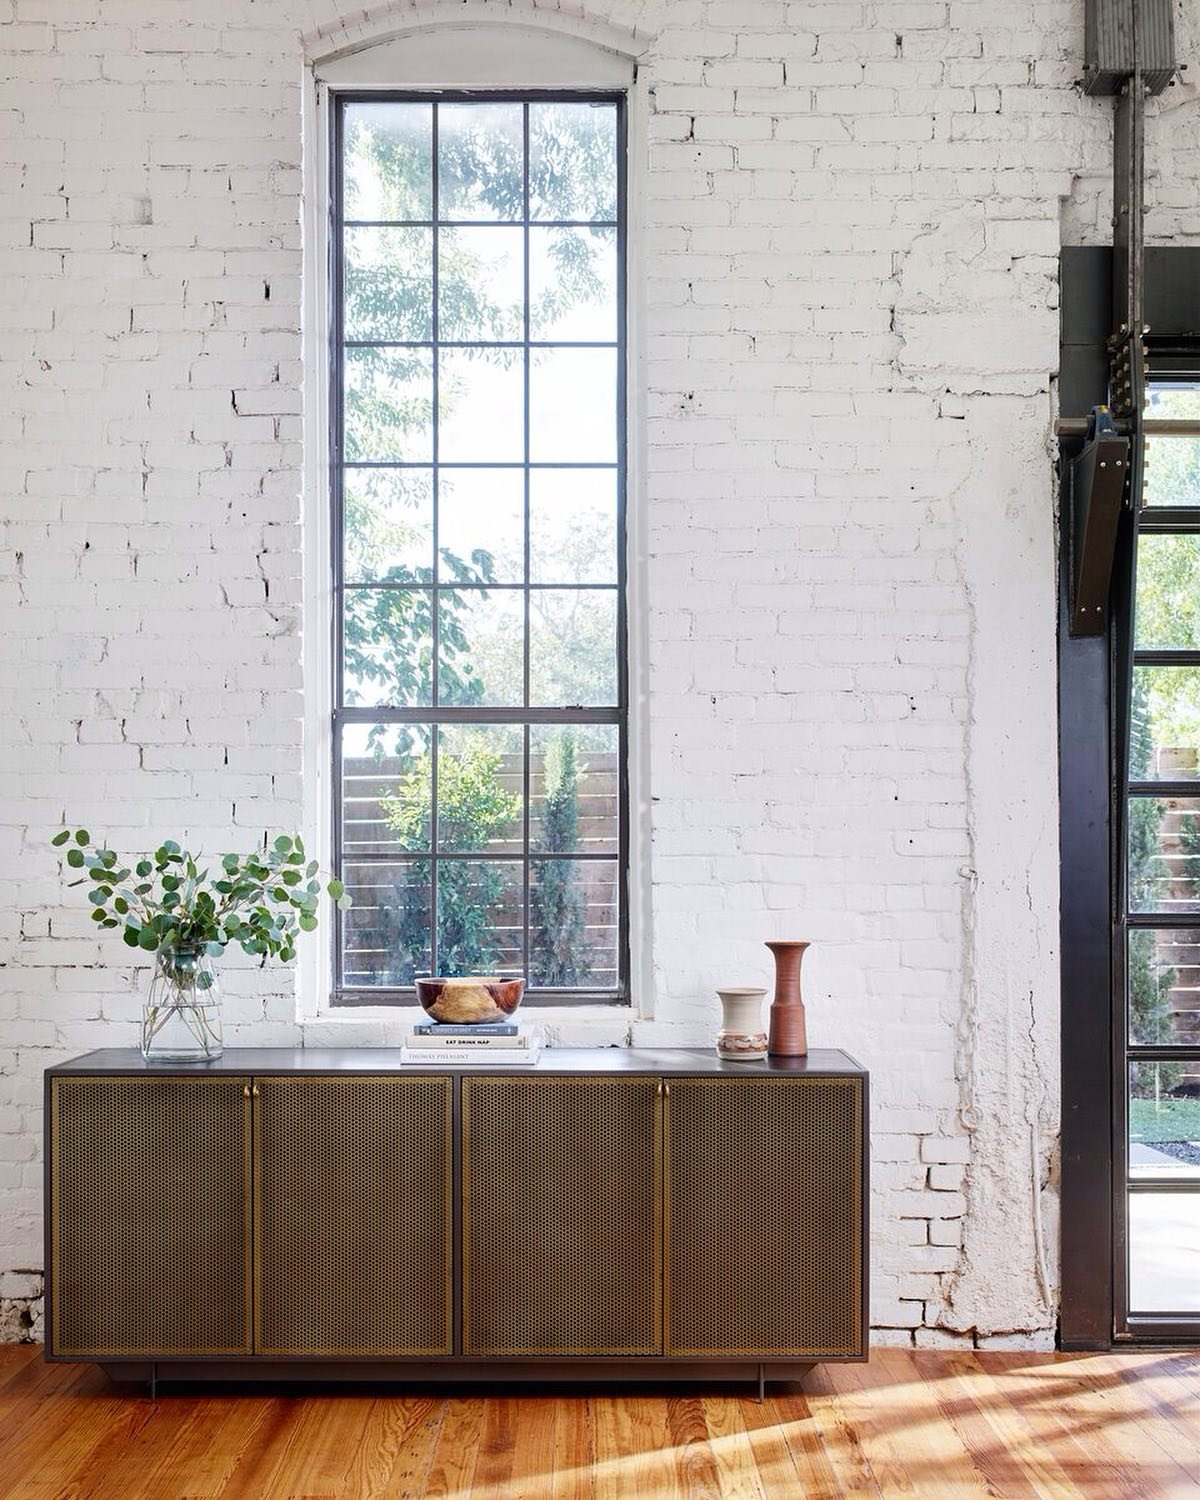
x: 1108, y: 43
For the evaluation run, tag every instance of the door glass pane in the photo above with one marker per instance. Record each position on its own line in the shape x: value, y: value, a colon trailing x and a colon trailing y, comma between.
x: 1164, y: 1119
x: 1164, y: 986
x: 1171, y: 474
x: 1164, y: 1252
x: 1164, y: 854
x: 1168, y: 592
x: 1164, y: 724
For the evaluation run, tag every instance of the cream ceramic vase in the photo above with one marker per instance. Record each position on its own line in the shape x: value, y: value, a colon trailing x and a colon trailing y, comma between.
x: 742, y: 1037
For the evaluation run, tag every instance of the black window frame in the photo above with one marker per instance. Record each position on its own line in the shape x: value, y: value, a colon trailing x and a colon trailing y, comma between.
x: 342, y: 995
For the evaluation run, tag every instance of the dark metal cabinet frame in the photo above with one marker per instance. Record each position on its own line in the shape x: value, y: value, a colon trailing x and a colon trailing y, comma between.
x: 787, y: 1289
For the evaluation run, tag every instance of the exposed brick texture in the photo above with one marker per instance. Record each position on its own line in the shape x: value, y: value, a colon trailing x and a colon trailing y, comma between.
x: 850, y: 217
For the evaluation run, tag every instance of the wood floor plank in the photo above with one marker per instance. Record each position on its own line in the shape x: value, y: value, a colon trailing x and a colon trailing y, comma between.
x: 396, y: 1448
x: 14, y: 1358
x: 573, y: 1476
x: 251, y: 1469
x: 497, y: 1441
x: 1088, y: 1402
x: 320, y: 1449
x: 59, y: 1406
x: 940, y: 1453
x: 1168, y: 1400
x: 533, y: 1453
x: 814, y: 1417
x: 202, y: 1460
x: 695, y: 1467
x: 102, y: 1429
x: 935, y: 1425
x: 995, y: 1443
x: 1004, y: 1437
x: 449, y: 1476
x: 733, y: 1453
x: 632, y: 1448
x: 775, y: 1459
x: 174, y: 1425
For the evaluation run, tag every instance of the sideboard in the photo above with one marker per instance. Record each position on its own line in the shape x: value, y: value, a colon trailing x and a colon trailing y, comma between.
x: 609, y: 1213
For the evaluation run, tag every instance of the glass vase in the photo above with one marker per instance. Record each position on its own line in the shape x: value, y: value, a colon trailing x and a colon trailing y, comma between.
x: 181, y: 1016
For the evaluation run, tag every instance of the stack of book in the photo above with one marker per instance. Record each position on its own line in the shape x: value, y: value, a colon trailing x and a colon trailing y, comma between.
x: 502, y: 1044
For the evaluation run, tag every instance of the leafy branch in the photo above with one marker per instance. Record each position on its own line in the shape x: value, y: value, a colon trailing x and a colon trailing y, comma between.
x: 261, y: 901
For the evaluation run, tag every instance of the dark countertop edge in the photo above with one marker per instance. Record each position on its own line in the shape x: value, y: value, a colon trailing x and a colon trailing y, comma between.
x: 821, y: 1062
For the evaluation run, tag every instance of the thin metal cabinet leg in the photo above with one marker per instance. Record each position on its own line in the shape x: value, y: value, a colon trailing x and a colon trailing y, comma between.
x: 762, y: 1384
x: 154, y: 1380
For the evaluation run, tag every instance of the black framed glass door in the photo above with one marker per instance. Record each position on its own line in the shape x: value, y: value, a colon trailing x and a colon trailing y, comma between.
x: 1156, y: 949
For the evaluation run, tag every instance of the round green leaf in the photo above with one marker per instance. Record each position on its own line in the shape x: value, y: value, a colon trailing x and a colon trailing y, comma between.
x: 131, y: 936
x: 75, y: 858
x: 60, y: 839
x: 82, y: 836
x: 147, y: 939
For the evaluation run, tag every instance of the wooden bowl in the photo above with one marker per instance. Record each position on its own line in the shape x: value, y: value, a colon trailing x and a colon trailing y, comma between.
x: 470, y: 1001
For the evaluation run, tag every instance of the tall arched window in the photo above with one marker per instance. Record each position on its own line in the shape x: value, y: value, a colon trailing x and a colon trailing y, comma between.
x: 477, y: 491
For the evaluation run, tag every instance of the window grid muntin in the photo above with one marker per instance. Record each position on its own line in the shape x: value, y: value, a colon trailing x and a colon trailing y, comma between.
x: 435, y: 714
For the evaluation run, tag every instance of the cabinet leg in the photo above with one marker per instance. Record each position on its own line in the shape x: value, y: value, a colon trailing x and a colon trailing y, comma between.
x: 762, y: 1384
x: 154, y: 1380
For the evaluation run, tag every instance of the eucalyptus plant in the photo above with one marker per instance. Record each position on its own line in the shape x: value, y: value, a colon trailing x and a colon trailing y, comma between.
x: 166, y: 901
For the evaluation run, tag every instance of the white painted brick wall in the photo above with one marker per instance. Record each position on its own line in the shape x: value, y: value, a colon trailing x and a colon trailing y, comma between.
x: 851, y: 216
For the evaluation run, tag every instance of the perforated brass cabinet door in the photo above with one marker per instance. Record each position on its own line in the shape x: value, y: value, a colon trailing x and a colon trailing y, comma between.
x: 561, y: 1216
x: 149, y: 1216
x: 353, y: 1216
x: 763, y: 1180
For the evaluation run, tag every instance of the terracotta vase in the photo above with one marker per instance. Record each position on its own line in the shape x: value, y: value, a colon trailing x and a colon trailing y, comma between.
x: 789, y: 1037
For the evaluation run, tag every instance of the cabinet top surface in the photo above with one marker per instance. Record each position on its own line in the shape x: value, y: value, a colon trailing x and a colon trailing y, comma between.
x: 259, y: 1060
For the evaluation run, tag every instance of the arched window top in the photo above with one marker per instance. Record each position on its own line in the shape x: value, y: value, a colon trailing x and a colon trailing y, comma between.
x: 474, y: 49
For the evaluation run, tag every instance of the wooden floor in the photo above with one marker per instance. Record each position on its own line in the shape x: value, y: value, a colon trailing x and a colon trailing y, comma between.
x: 928, y: 1425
